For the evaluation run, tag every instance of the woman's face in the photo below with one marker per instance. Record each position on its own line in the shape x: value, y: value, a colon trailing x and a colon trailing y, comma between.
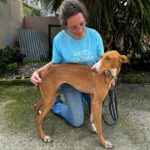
x: 77, y: 26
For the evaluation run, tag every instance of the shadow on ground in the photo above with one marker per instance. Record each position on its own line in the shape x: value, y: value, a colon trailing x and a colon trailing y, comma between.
x: 18, y: 130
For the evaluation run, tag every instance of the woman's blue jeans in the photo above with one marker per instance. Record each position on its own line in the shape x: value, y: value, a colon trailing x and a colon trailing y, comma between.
x: 73, y: 108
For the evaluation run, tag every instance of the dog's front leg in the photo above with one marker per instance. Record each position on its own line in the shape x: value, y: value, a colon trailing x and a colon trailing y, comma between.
x: 92, y: 117
x: 96, y: 112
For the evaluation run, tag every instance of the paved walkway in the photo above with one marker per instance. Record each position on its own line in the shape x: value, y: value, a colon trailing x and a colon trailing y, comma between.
x: 132, y: 131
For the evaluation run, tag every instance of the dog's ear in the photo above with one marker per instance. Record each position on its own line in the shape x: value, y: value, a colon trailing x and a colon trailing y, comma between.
x: 96, y: 67
x: 124, y: 59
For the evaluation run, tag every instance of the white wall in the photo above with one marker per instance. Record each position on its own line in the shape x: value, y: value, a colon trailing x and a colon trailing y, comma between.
x: 11, y: 16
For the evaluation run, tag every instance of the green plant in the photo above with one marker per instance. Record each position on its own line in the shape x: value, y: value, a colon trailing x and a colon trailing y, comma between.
x: 3, y: 1
x: 9, y: 58
x: 12, y: 68
x: 133, y: 78
x: 30, y: 11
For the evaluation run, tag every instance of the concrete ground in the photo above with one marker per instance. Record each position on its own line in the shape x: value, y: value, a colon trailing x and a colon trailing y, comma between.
x: 18, y: 130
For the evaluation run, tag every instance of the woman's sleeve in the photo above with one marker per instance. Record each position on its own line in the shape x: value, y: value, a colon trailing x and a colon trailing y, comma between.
x: 56, y: 53
x: 100, y: 46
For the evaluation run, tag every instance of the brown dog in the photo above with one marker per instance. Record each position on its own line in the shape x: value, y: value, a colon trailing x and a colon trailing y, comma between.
x: 95, y: 80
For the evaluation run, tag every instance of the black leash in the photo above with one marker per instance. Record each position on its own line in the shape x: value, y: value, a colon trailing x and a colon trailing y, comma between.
x: 113, y: 110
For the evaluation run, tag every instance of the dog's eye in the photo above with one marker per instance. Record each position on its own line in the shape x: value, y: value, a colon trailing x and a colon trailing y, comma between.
x: 108, y: 58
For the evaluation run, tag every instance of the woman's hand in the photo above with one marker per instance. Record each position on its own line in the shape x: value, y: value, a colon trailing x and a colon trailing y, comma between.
x: 113, y: 82
x: 35, y: 78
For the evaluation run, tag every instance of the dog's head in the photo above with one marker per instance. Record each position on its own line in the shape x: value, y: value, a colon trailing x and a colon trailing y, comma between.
x: 111, y: 61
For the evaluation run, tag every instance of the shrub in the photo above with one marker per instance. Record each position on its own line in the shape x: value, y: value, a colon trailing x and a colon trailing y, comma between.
x: 9, y: 58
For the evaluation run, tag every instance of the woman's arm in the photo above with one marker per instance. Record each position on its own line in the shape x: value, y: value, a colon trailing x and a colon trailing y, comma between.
x: 35, y: 78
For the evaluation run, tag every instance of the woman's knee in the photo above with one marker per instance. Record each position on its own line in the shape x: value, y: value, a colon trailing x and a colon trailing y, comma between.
x: 74, y: 102
x: 78, y: 121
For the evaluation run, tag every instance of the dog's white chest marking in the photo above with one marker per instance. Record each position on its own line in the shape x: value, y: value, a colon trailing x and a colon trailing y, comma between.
x: 113, y: 72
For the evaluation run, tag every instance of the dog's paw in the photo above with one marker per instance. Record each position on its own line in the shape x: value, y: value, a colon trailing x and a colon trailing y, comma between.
x: 108, y: 145
x: 48, y: 139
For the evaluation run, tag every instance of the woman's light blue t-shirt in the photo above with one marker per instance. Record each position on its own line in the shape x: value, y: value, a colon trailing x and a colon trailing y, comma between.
x: 86, y: 51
